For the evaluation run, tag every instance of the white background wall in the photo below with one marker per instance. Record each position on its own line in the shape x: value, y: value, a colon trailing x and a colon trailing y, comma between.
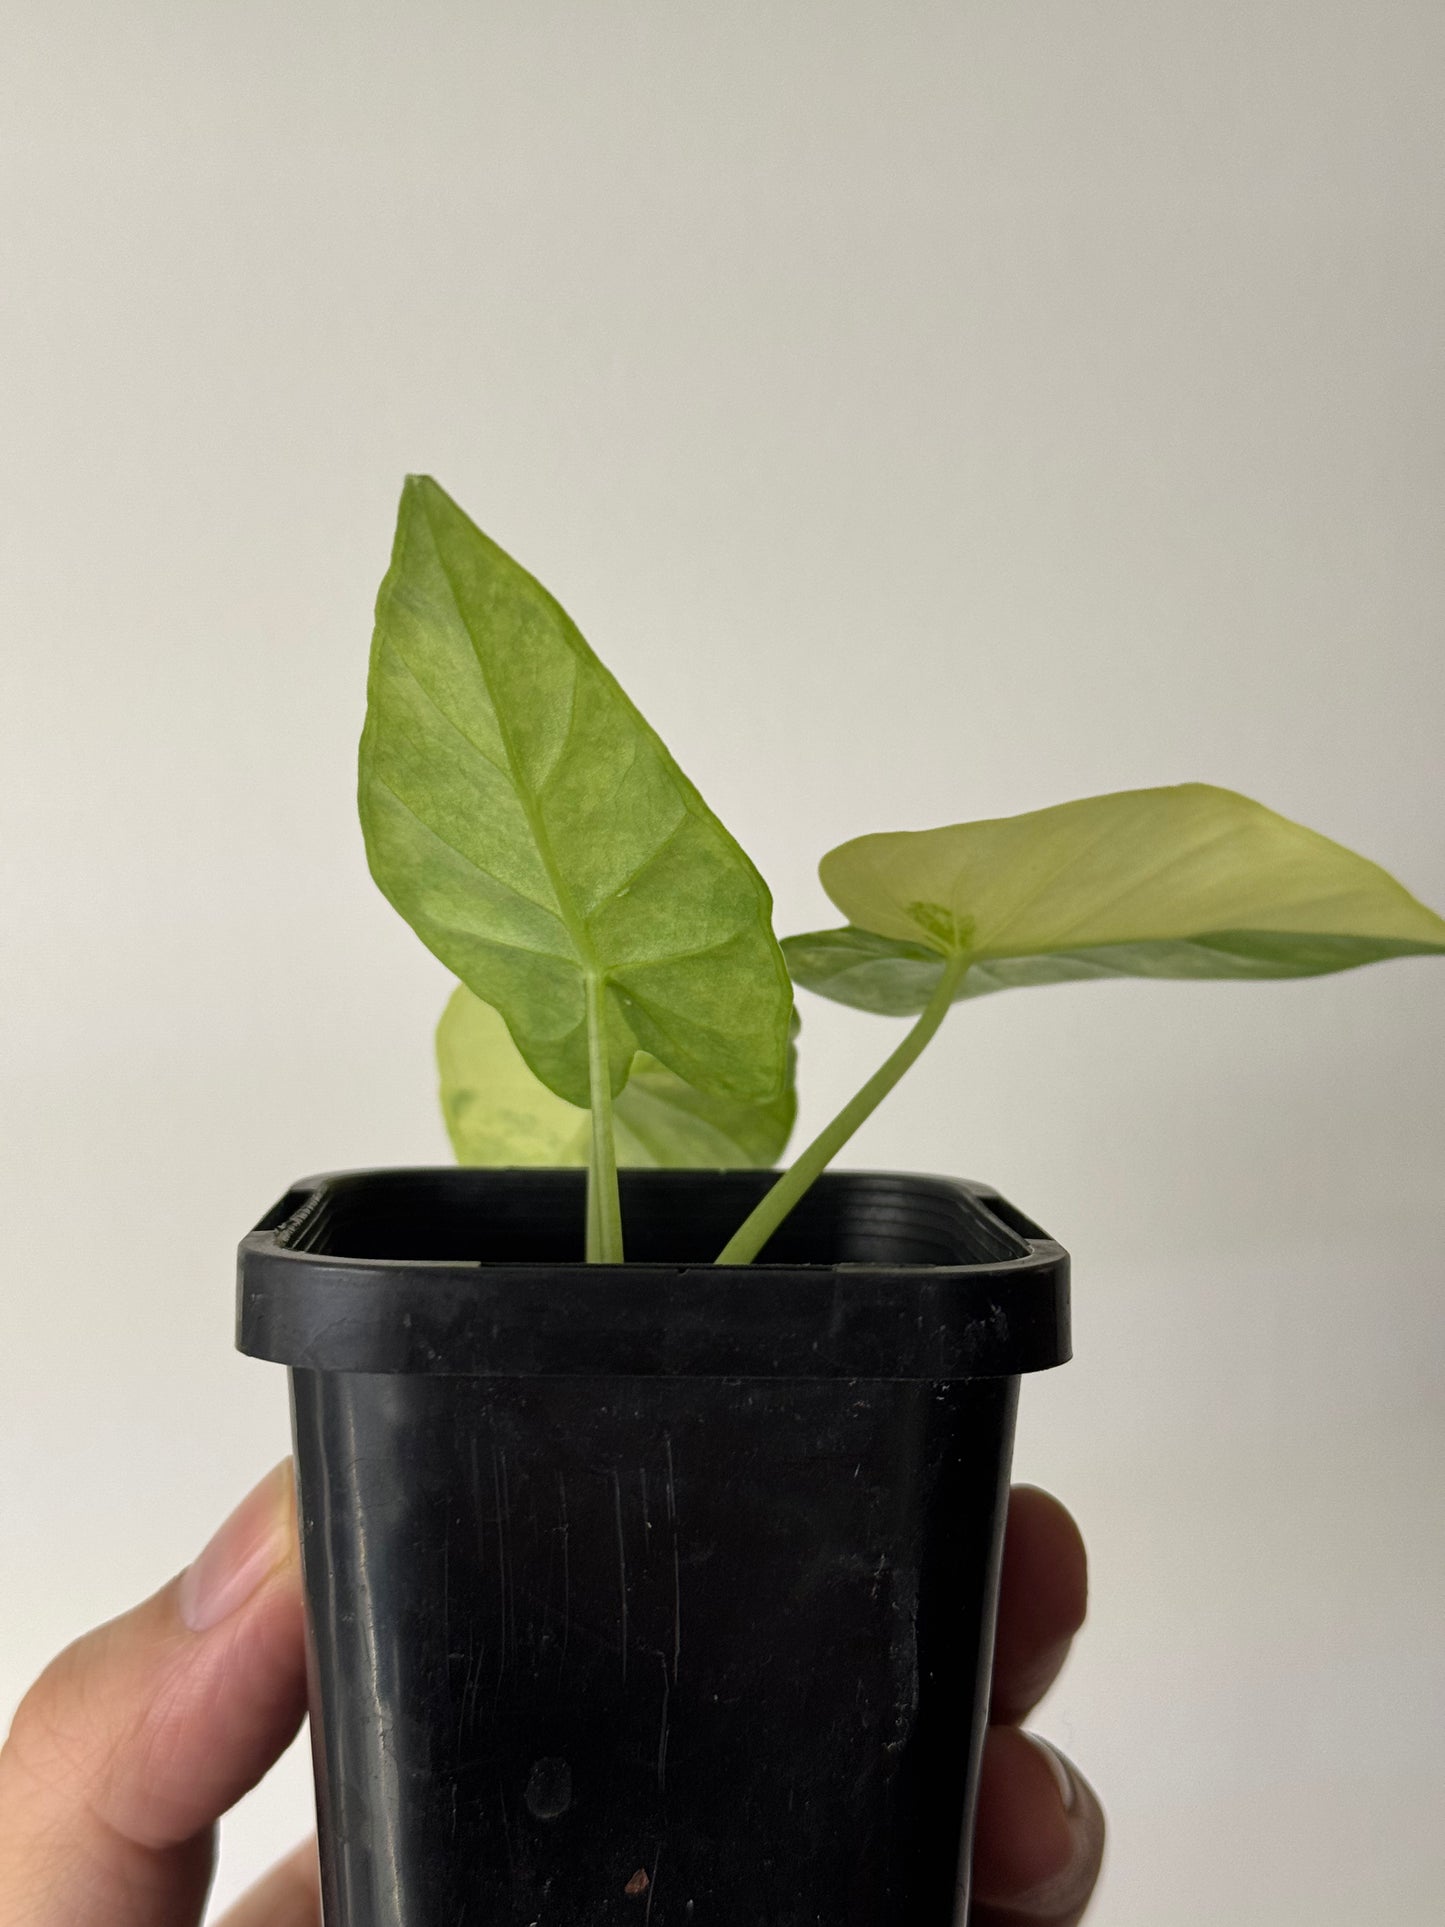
x: 929, y: 411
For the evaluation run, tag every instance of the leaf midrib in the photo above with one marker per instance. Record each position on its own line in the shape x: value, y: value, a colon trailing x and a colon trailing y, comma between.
x: 575, y: 927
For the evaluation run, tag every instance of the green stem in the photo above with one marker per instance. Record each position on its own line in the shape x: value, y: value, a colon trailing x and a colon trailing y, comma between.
x: 750, y: 1237
x: 604, y: 1207
x: 594, y: 1223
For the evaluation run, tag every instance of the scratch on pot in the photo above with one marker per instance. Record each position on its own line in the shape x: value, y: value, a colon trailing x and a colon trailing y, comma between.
x: 662, y: 1735
x: 476, y: 1648
x: 446, y: 1592
x: 472, y: 1685
x: 676, y: 1561
x: 501, y: 1567
x: 481, y: 1520
x: 903, y: 1656
x: 566, y: 1570
x: 646, y: 1514
x: 316, y: 1349
x: 621, y: 1561
x: 651, y: 1888
x: 511, y: 1561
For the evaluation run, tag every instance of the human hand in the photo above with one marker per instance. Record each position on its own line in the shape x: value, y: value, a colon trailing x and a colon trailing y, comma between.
x: 132, y: 1744
x: 1039, y: 1841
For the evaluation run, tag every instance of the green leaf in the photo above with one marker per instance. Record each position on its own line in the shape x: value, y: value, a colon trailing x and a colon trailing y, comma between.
x: 497, y: 1112
x: 1189, y: 882
x: 537, y: 836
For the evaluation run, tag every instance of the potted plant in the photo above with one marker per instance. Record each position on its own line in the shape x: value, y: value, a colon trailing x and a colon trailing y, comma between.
x: 652, y: 1516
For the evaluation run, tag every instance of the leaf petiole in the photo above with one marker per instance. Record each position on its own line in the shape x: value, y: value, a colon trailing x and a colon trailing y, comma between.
x: 750, y: 1237
x: 604, y: 1206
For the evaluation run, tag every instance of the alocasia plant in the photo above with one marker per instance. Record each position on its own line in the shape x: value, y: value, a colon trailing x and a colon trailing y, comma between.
x: 624, y: 998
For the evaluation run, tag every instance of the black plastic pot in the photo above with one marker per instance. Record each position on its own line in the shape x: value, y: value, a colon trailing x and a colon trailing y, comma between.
x: 659, y: 1593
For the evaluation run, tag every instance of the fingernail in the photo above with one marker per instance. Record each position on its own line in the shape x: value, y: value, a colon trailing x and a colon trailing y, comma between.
x: 1068, y: 1885
x: 253, y: 1542
x: 1062, y: 1777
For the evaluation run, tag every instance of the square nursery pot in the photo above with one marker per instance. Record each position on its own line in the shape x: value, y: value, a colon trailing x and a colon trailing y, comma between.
x: 659, y: 1594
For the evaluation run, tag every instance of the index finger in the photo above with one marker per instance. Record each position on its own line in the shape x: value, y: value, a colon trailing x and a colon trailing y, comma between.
x: 1043, y: 1595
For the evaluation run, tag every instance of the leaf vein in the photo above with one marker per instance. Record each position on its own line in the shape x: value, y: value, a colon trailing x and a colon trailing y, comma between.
x: 481, y: 870
x: 450, y: 721
x: 555, y: 765
x: 626, y: 883
x: 575, y: 925
x: 678, y: 956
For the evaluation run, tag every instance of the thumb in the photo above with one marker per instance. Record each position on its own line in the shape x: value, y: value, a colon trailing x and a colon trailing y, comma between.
x: 132, y: 1744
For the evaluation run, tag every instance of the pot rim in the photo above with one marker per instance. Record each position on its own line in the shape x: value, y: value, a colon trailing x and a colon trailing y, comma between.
x: 323, y: 1282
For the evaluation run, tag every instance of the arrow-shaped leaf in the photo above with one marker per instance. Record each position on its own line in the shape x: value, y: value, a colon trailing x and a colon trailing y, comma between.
x: 536, y: 834
x: 498, y: 1113
x: 1189, y: 882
